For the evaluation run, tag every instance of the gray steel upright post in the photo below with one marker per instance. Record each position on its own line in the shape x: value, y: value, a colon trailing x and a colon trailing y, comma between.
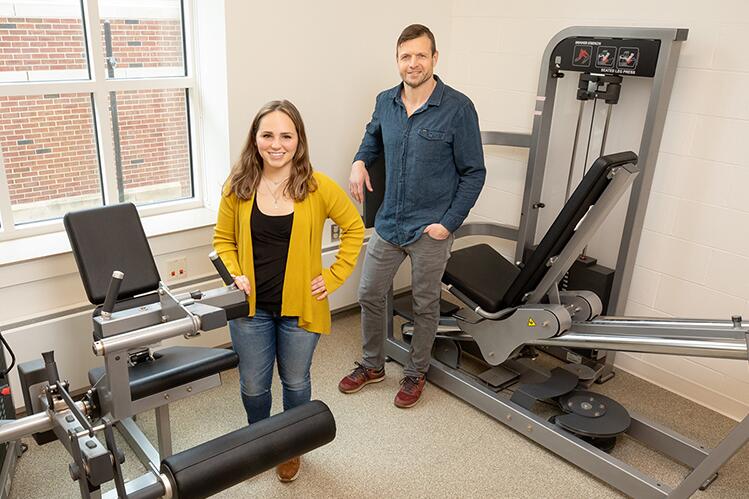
x: 650, y: 143
x: 539, y: 147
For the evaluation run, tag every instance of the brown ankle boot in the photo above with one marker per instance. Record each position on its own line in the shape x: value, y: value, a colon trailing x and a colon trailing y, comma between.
x: 288, y: 471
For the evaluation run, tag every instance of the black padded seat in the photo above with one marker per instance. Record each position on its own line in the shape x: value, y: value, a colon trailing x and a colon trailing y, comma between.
x: 482, y: 274
x: 172, y: 367
x: 478, y: 273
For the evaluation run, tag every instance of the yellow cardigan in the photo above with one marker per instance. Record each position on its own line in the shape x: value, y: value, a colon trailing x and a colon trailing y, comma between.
x: 233, y: 242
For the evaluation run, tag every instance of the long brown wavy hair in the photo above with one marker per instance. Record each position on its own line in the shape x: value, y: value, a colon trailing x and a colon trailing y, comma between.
x: 245, y: 175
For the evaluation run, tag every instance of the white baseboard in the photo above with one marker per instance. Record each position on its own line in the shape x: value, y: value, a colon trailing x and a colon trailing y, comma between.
x: 706, y: 396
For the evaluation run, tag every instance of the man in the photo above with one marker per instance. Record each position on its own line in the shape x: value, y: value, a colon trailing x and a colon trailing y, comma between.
x: 429, y: 134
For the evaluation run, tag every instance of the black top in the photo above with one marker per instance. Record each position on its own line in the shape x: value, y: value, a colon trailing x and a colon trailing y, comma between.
x: 270, y: 249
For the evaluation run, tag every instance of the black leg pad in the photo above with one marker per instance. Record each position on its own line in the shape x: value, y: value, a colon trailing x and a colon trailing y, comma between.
x: 232, y: 458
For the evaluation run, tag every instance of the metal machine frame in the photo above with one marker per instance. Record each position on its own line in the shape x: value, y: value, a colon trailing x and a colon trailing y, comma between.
x: 502, y: 337
x: 670, y: 46
x: 79, y: 425
x: 538, y: 144
x: 134, y: 381
x: 565, y: 323
x: 71, y: 421
x: 704, y: 462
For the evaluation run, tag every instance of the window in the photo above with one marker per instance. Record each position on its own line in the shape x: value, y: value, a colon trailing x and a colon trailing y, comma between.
x: 95, y: 107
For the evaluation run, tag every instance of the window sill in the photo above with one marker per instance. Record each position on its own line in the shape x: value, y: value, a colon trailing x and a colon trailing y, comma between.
x: 56, y: 243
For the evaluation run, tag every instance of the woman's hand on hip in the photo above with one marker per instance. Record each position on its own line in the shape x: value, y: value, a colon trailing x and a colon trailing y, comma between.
x: 243, y: 283
x: 319, y: 290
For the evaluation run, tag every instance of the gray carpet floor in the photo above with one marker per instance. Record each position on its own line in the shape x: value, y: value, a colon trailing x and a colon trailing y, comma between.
x: 442, y: 447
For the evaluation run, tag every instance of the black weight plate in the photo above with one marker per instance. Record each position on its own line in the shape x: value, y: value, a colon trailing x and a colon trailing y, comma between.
x: 583, y: 403
x: 614, y: 421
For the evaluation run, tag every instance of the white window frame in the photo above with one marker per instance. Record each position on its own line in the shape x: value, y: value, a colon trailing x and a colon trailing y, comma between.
x: 99, y: 86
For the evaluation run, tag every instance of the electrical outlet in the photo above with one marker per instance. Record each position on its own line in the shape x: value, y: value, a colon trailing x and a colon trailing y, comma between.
x: 335, y: 232
x: 176, y: 269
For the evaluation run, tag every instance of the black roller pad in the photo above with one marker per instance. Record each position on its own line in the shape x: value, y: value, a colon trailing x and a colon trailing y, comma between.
x: 232, y: 458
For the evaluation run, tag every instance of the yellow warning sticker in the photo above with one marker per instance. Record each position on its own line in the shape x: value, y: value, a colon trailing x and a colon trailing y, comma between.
x: 531, y: 322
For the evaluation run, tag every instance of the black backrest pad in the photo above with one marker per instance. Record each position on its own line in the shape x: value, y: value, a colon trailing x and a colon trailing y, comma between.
x: 561, y: 231
x: 108, y: 239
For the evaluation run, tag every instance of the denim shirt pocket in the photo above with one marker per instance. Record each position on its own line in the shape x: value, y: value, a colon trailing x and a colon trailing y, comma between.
x: 431, y: 134
x: 433, y: 157
x: 434, y: 146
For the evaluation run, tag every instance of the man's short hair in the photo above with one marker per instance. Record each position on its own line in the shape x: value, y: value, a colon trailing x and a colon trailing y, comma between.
x: 415, y: 31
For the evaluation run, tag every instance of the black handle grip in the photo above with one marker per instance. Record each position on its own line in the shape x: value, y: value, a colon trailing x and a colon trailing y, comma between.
x: 51, y: 366
x: 221, y: 268
x: 113, y: 291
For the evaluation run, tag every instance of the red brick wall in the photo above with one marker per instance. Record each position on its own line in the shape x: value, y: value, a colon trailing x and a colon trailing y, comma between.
x: 28, y: 44
x: 146, y: 44
x: 153, y: 138
x: 48, y: 141
x: 49, y: 150
x: 41, y: 44
x: 48, y: 146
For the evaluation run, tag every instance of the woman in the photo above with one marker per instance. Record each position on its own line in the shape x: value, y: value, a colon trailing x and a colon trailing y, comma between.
x: 269, y: 235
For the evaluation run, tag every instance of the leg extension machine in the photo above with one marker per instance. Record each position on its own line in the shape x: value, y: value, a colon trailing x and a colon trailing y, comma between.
x: 136, y: 311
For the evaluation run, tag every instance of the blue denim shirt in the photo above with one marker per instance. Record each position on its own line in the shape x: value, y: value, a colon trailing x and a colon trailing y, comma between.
x: 434, y: 162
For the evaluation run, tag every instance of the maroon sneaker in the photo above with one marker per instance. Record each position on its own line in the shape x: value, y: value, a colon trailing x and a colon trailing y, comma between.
x: 360, y: 377
x: 410, y: 391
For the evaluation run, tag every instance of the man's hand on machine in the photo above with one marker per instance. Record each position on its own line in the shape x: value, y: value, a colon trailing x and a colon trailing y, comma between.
x: 437, y: 231
x: 319, y: 291
x: 243, y: 283
x: 358, y: 179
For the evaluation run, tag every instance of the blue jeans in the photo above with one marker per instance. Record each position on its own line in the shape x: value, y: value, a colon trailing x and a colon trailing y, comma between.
x: 259, y: 341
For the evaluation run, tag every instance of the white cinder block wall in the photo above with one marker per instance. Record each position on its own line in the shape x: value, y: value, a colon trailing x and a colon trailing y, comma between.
x: 693, y: 259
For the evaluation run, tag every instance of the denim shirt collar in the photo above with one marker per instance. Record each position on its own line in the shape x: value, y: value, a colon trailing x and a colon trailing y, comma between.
x: 434, y: 100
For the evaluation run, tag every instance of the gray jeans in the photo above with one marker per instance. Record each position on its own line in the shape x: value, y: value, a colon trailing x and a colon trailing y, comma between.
x: 428, y: 260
